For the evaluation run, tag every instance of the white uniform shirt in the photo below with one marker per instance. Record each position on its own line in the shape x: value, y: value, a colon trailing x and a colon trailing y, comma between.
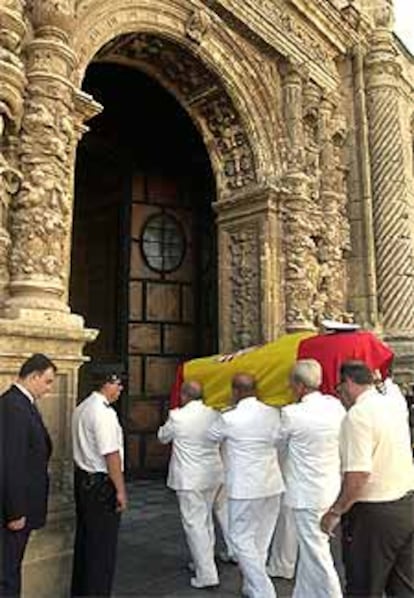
x: 195, y: 460
x: 249, y: 431
x: 375, y: 438
x: 96, y: 432
x: 310, y: 432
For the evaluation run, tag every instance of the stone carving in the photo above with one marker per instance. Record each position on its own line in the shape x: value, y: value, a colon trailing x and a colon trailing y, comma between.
x: 58, y: 14
x: 201, y: 91
x: 316, y: 227
x: 41, y: 211
x: 286, y: 21
x: 384, y: 13
x: 302, y: 268
x: 197, y: 25
x: 39, y: 221
x: 233, y: 147
x: 292, y: 147
x: 10, y: 180
x: 245, y: 301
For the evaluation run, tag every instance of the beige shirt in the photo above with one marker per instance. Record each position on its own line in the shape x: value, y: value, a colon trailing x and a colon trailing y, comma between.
x: 375, y: 438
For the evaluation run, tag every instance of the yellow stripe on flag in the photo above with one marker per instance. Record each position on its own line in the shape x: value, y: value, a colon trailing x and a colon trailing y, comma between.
x: 270, y: 364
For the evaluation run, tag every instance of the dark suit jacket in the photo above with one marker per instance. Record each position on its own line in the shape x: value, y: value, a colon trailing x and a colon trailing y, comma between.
x: 25, y: 447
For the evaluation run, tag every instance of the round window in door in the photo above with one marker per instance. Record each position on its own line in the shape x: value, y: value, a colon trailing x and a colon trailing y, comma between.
x: 163, y: 243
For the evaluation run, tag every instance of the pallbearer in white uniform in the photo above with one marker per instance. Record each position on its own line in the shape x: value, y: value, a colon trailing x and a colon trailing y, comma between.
x: 253, y: 481
x: 310, y: 434
x: 196, y: 474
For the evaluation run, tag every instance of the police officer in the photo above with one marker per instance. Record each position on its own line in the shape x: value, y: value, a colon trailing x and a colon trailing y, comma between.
x: 98, y: 451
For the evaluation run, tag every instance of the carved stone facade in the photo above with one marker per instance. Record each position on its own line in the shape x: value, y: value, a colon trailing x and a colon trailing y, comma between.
x: 306, y: 115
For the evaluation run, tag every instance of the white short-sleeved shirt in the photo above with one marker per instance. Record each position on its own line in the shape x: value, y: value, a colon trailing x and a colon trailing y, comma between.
x: 96, y: 432
x: 375, y: 438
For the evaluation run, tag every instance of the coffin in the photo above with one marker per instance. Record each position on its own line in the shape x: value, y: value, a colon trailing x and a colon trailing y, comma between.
x: 271, y: 364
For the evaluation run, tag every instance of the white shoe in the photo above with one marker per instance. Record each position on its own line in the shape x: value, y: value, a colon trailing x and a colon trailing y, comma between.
x: 195, y: 583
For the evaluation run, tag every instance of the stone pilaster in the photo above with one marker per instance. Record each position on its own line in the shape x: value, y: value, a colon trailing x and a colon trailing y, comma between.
x: 393, y: 246
x: 249, y: 277
x: 41, y: 215
x: 12, y: 83
x: 334, y: 244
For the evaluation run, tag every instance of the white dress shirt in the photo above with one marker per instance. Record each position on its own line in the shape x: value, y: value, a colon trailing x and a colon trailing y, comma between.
x: 96, y: 432
x: 195, y: 462
x: 249, y: 432
x: 310, y: 432
x: 25, y: 392
x: 375, y: 438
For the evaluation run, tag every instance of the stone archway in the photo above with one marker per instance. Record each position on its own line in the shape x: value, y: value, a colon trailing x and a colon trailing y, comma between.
x: 186, y: 51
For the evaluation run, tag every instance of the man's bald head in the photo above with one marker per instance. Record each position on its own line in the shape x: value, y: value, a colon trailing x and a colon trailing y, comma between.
x: 243, y: 385
x: 190, y: 391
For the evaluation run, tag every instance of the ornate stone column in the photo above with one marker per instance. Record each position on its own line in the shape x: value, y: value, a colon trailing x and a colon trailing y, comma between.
x: 41, y: 215
x: 394, y: 253
x: 334, y: 243
x: 12, y: 83
x: 301, y: 267
x: 249, y: 277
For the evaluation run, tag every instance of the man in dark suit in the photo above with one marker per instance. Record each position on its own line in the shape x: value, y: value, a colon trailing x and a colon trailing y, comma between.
x: 25, y: 451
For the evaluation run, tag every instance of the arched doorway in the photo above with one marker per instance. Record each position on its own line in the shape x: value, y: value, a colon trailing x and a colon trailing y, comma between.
x: 144, y: 245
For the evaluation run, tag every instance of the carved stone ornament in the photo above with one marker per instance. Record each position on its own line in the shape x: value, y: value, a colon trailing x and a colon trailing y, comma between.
x: 57, y: 14
x: 245, y: 286
x: 384, y: 13
x: 202, y: 93
x: 40, y: 219
x: 197, y: 25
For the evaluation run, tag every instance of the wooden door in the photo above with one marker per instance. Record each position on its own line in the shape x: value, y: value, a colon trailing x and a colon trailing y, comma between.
x: 171, y: 304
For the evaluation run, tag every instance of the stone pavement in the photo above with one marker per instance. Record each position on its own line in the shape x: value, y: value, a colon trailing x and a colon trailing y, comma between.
x: 152, y: 554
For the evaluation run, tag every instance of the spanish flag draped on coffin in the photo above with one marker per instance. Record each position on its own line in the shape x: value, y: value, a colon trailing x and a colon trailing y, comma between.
x: 271, y: 363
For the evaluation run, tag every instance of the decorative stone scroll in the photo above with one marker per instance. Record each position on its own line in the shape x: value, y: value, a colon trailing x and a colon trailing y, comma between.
x: 201, y: 92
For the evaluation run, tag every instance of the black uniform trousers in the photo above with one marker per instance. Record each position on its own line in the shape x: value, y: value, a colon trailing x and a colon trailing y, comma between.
x: 378, y: 548
x: 97, y: 524
x: 12, y: 547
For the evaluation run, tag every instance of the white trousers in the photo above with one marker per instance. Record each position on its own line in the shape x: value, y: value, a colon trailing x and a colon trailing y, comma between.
x: 251, y: 525
x: 284, y: 548
x: 196, y: 508
x: 316, y: 575
x: 221, y: 511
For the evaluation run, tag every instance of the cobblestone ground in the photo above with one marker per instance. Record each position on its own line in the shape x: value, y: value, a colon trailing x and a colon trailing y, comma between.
x: 152, y: 554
